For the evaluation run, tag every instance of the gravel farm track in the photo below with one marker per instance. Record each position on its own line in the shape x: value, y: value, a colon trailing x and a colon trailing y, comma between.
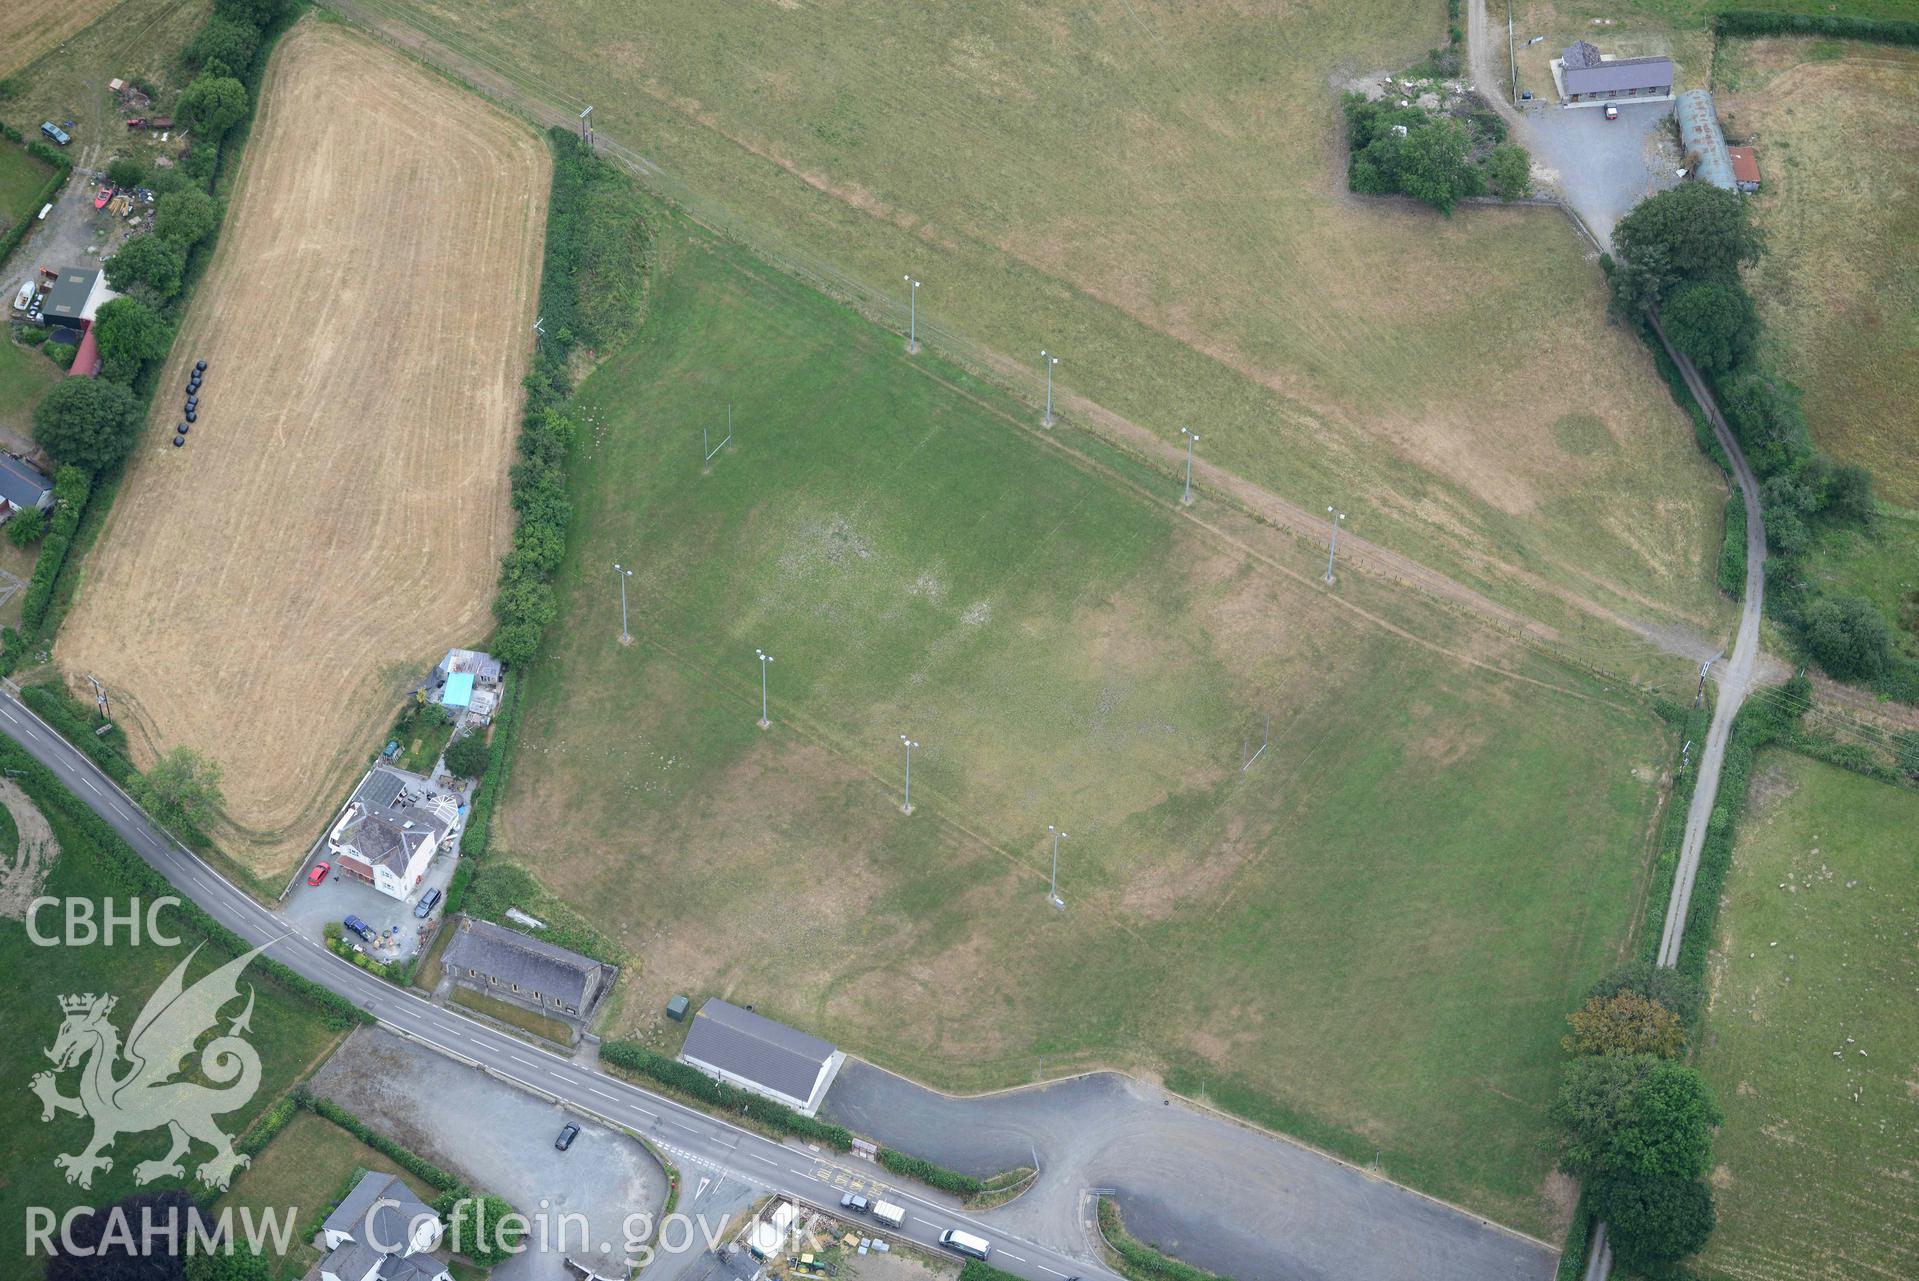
x: 337, y: 514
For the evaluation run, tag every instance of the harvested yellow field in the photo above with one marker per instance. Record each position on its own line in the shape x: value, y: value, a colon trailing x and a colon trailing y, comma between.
x: 28, y: 28
x: 335, y: 519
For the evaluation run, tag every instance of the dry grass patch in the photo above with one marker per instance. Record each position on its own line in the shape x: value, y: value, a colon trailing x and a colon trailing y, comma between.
x: 340, y: 507
x: 28, y: 28
x: 1836, y: 125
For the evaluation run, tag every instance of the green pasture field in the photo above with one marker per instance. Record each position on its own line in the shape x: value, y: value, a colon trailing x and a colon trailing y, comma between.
x: 303, y: 1168
x: 25, y: 375
x: 1811, y: 1044
x: 1157, y: 195
x: 287, y: 1035
x: 1377, y: 923
x: 22, y: 177
x: 1881, y: 564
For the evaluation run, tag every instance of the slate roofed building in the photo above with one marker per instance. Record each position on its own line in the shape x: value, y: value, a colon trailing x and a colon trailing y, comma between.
x: 22, y: 486
x: 390, y: 848
x: 1590, y: 76
x: 516, y: 967
x: 381, y: 1232
x: 755, y: 1053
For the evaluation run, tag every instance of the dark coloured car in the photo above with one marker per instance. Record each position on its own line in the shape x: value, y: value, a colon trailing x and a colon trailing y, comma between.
x: 424, y: 908
x: 568, y: 1133
x: 360, y: 927
x: 854, y: 1202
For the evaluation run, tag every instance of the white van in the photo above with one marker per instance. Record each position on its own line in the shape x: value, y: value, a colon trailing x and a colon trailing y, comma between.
x: 888, y: 1213
x: 966, y: 1243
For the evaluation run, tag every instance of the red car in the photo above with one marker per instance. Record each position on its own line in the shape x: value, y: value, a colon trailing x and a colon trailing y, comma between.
x: 318, y: 874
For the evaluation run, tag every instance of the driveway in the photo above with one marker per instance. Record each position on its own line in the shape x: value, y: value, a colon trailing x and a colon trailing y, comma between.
x: 1220, y: 1195
x: 1604, y: 167
x: 500, y: 1139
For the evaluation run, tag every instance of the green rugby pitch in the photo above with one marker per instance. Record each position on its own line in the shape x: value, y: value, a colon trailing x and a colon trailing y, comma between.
x: 1377, y: 925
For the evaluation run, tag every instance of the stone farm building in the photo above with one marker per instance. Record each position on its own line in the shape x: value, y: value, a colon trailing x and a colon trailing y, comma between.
x: 512, y: 966
x: 1590, y: 76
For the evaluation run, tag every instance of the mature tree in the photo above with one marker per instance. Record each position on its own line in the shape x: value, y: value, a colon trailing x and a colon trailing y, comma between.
x: 1625, y: 1023
x: 1849, y: 494
x: 226, y: 41
x: 1652, y: 1222
x: 516, y: 642
x: 1849, y: 637
x: 125, y: 171
x: 1510, y: 171
x: 1694, y: 231
x: 257, y: 13
x: 211, y: 105
x: 525, y: 601
x: 1763, y: 410
x: 478, y: 1227
x: 26, y: 527
x: 1634, y: 1115
x: 147, y: 262
x: 186, y: 217
x: 1682, y: 995
x: 130, y: 334
x: 138, y: 1238
x: 1431, y: 164
x: 182, y: 787
x: 468, y: 755
x: 88, y: 422
x: 1713, y: 321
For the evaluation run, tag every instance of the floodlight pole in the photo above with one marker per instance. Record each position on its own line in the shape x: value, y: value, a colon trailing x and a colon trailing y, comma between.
x: 586, y: 127
x: 913, y: 316
x: 1332, y: 548
x: 906, y: 807
x: 765, y: 660
x: 1050, y: 360
x: 1192, y: 438
x: 1052, y: 895
x: 626, y: 637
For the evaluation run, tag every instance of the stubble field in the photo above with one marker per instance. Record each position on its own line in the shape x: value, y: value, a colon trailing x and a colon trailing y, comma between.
x: 335, y: 520
x: 1156, y: 194
x: 1811, y: 1045
x: 1370, y: 930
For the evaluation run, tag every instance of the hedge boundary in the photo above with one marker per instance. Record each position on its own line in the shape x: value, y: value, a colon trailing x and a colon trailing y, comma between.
x: 1732, y: 551
x: 1754, y: 22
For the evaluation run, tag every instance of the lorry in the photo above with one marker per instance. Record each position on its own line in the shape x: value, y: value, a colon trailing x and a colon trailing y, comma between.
x: 888, y: 1213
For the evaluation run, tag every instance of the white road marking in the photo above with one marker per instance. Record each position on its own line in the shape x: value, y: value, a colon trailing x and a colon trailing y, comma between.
x: 1009, y: 1254
x: 1043, y: 1268
x: 757, y: 1157
x: 90, y: 787
x: 517, y: 1059
x: 603, y: 1094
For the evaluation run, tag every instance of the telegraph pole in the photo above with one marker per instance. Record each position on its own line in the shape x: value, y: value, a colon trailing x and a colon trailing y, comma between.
x: 906, y: 806
x: 1332, y: 549
x: 1192, y: 438
x: 586, y: 128
x: 766, y: 660
x: 912, y: 316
